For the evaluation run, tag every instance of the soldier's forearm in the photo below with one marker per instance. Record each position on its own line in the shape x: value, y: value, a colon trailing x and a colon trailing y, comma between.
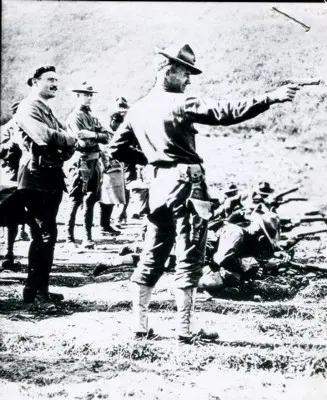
x: 102, y: 137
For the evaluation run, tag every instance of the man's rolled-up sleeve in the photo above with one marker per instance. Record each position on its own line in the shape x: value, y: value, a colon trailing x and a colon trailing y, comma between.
x: 124, y: 146
x: 211, y: 112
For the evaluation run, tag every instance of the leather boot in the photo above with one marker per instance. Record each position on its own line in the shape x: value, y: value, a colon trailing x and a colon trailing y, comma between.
x: 105, y: 216
x: 71, y: 221
x: 88, y: 223
x: 141, y: 300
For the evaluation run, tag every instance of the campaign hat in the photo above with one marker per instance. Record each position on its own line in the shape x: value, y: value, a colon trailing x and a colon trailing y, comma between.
x: 183, y: 56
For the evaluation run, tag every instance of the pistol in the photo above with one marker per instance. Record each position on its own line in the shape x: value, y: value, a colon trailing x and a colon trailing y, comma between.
x: 300, y: 82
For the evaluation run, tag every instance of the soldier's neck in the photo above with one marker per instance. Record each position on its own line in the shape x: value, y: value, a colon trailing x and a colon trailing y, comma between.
x: 37, y: 96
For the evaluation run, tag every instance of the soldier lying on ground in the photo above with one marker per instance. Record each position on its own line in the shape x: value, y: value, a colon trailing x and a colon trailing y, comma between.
x: 233, y: 243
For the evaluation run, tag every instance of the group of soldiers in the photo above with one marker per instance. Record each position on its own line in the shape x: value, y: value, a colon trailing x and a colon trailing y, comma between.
x: 158, y: 134
x: 93, y: 176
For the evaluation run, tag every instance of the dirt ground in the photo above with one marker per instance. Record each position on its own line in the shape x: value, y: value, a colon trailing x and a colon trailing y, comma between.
x: 273, y: 330
x: 272, y: 341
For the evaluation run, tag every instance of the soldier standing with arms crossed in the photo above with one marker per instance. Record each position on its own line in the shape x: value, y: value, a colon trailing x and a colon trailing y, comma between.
x: 45, y: 146
x: 162, y: 123
x: 87, y: 174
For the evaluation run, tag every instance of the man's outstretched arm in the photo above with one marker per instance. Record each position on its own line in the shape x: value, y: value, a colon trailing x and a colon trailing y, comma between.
x: 211, y: 112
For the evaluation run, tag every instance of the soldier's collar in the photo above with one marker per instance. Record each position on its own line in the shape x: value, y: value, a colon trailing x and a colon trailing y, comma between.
x: 43, y: 106
x: 85, y: 108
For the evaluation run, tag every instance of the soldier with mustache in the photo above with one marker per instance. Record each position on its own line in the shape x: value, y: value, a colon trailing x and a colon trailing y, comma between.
x: 45, y: 146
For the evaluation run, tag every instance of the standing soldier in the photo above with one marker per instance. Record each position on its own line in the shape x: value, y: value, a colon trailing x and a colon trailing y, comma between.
x: 86, y: 174
x: 162, y: 123
x: 45, y: 146
x: 113, y: 190
x: 11, y: 210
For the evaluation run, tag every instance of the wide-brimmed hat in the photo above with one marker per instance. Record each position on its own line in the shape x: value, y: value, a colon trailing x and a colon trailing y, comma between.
x: 85, y: 87
x: 39, y: 71
x: 269, y: 222
x: 264, y: 188
x: 184, y: 56
x: 230, y: 189
x: 120, y: 108
x: 121, y: 105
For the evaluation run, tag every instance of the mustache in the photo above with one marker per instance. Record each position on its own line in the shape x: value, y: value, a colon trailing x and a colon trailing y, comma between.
x: 53, y: 88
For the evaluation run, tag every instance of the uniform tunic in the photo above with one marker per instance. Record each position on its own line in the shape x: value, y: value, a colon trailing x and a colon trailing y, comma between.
x: 162, y: 124
x: 87, y: 152
x: 45, y: 146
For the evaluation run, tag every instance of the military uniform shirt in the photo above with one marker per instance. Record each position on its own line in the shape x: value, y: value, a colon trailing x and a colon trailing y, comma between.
x: 163, y: 124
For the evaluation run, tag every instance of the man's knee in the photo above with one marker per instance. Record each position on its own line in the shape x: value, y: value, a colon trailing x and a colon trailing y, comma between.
x: 147, y: 275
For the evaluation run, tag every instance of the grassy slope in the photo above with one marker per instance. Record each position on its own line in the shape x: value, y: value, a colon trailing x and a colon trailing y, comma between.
x: 242, y: 48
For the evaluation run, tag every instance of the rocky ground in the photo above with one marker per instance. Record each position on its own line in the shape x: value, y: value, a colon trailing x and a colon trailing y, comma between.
x: 273, y: 332
x: 272, y: 341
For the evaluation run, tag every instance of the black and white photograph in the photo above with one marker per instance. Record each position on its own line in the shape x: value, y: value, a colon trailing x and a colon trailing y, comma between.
x: 163, y: 200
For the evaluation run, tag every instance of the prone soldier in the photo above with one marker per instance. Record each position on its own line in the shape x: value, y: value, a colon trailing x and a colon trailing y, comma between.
x: 233, y: 243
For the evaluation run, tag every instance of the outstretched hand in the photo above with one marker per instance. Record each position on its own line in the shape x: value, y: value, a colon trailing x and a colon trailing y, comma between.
x: 283, y: 93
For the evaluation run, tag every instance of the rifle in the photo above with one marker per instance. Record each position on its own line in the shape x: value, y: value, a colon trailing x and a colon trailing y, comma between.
x: 295, y: 239
x: 293, y: 199
x: 309, y: 266
x: 300, y: 82
x: 278, y: 200
x: 288, y: 223
x: 285, y: 192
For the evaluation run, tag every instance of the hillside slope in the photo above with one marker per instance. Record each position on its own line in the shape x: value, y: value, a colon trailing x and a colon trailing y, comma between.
x: 243, y: 49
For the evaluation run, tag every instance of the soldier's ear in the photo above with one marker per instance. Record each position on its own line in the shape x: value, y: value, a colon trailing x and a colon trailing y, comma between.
x: 34, y: 81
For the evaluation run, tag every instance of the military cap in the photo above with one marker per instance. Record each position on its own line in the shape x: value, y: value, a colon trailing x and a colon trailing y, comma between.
x: 122, y: 104
x: 269, y: 222
x: 184, y: 56
x: 231, y: 189
x: 265, y: 188
x: 39, y: 71
x: 119, y: 109
x: 85, y: 87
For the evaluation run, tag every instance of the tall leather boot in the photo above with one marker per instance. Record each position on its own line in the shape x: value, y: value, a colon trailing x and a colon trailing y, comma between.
x: 141, y: 296
x: 88, y: 223
x: 71, y: 221
x: 105, y: 216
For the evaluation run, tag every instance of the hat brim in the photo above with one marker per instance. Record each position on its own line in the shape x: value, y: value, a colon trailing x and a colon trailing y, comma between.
x: 190, y: 67
x: 266, y: 192
x: 83, y: 91
x: 231, y: 191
